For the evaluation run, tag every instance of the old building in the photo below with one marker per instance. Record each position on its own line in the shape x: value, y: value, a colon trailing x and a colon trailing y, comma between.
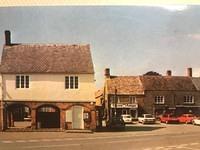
x: 171, y: 94
x: 151, y: 93
x: 50, y: 84
x: 121, y: 95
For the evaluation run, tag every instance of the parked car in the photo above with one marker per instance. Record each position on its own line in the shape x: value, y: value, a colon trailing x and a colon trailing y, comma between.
x: 127, y: 118
x: 196, y: 121
x: 146, y: 118
x: 168, y: 118
x: 116, y: 123
x: 186, y: 118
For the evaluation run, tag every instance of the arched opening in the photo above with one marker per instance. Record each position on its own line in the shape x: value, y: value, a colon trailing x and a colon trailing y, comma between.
x: 75, y: 117
x: 48, y: 116
x: 18, y: 116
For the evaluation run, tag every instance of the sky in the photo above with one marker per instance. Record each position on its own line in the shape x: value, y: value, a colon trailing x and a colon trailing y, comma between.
x: 130, y: 40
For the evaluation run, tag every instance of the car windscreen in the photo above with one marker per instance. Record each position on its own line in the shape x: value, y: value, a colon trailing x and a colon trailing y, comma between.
x: 149, y: 116
x: 127, y: 116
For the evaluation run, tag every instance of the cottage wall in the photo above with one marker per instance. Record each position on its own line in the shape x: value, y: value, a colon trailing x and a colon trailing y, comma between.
x: 172, y: 100
x: 49, y: 87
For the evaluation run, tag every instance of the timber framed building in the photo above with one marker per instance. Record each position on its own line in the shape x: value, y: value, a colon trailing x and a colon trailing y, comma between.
x: 51, y: 85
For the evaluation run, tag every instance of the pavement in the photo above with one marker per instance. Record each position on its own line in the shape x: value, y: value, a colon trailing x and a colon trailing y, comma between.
x: 135, y: 137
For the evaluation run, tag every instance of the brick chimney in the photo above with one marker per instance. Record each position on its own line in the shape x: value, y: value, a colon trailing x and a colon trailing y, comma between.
x: 189, y: 72
x: 7, y: 37
x: 107, y: 73
x: 169, y: 73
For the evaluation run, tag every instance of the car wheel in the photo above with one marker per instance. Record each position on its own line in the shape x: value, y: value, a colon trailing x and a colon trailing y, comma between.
x: 193, y: 122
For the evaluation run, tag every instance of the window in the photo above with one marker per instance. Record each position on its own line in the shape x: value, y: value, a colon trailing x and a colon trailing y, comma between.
x: 159, y: 100
x: 188, y: 99
x: 22, y: 81
x: 132, y: 99
x: 71, y: 82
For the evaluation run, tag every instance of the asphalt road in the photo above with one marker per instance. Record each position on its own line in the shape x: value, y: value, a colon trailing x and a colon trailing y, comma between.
x: 156, y: 137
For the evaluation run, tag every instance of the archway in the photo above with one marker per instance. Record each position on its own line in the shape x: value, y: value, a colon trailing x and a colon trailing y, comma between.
x: 18, y: 116
x: 48, y: 116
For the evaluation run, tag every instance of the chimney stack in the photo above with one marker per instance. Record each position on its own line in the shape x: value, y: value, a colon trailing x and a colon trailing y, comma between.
x: 7, y: 37
x: 169, y: 73
x: 189, y: 72
x: 107, y: 73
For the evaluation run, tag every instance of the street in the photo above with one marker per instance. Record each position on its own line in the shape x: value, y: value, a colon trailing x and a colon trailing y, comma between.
x: 135, y: 137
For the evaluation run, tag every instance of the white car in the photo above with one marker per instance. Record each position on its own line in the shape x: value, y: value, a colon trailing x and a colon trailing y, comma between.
x: 196, y: 121
x: 146, y: 118
x: 127, y: 118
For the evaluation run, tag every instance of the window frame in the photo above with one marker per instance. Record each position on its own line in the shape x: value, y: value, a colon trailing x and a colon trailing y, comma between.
x: 189, y: 99
x: 19, y: 85
x: 159, y: 99
x: 71, y: 80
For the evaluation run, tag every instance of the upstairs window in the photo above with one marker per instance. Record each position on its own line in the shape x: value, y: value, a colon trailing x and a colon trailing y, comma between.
x: 71, y: 82
x: 188, y: 99
x: 159, y: 100
x: 132, y: 99
x: 22, y: 81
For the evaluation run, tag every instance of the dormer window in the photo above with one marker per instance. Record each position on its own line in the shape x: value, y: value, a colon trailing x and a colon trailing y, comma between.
x: 159, y: 99
x: 22, y: 81
x: 189, y: 99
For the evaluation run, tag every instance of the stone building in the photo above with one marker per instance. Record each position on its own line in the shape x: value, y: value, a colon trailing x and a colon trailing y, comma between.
x: 171, y: 94
x: 51, y: 85
x: 151, y: 93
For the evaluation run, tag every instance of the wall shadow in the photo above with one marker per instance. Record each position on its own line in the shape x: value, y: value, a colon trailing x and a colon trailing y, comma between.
x: 134, y: 128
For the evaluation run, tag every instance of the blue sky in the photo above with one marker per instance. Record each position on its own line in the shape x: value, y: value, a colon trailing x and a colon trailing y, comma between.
x: 130, y: 40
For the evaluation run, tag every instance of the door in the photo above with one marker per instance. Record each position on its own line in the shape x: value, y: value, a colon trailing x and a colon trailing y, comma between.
x: 77, y: 119
x: 48, y: 117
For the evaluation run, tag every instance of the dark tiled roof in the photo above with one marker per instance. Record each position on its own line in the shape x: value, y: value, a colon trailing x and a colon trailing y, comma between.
x: 196, y: 81
x: 176, y: 83
x: 125, y: 85
x: 136, y: 85
x: 46, y: 58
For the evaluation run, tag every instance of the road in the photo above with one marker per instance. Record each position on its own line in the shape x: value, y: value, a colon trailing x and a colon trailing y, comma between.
x: 156, y: 137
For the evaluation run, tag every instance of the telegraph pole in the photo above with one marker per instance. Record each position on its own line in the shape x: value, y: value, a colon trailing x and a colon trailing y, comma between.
x: 115, y: 102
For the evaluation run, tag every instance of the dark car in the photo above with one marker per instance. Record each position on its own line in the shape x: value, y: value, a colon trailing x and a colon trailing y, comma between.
x: 116, y: 123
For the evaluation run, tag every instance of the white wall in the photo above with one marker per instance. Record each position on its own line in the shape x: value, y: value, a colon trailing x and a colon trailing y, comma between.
x: 49, y: 87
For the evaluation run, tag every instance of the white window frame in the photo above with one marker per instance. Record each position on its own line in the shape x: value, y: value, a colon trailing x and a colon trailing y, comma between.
x: 20, y: 80
x: 74, y: 83
x: 132, y: 100
x: 159, y: 100
x: 188, y: 99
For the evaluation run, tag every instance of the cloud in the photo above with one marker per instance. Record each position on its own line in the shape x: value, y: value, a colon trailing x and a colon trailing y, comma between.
x: 195, y: 36
x: 174, y: 7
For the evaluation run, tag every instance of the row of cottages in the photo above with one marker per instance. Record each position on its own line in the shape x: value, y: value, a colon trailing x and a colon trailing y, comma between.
x: 149, y: 93
x: 53, y: 85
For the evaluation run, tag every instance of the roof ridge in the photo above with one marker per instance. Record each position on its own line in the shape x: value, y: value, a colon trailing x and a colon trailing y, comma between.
x: 45, y: 44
